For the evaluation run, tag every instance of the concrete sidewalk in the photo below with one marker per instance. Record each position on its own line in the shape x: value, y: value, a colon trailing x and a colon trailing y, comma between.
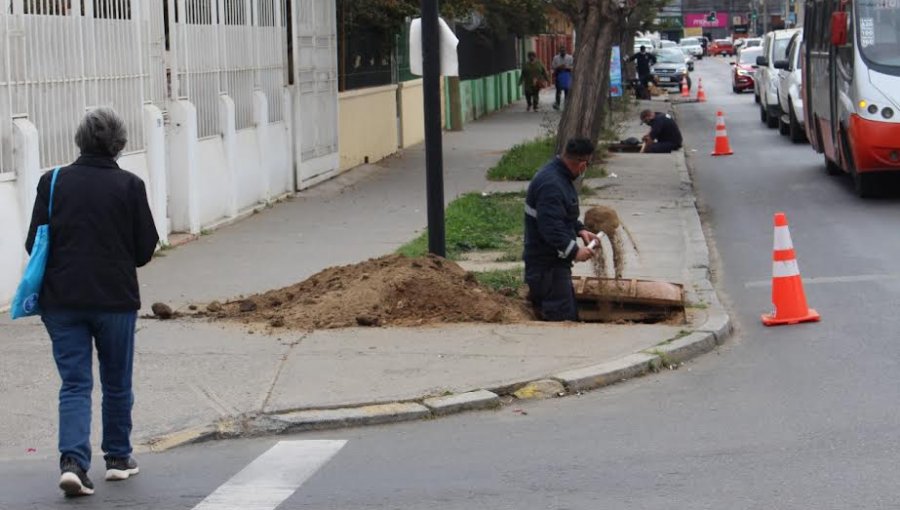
x: 199, y: 380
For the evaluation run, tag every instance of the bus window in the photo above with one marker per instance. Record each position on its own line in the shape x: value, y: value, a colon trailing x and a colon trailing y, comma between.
x: 879, y: 26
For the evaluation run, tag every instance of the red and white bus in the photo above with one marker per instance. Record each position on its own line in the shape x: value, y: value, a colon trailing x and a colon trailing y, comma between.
x: 851, y: 86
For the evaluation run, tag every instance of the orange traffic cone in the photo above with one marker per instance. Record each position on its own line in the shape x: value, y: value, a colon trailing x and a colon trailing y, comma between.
x: 723, y: 147
x: 684, y: 88
x: 701, y: 95
x: 788, y: 297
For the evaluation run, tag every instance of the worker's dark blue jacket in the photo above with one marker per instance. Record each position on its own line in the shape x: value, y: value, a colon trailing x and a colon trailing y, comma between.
x: 551, y: 217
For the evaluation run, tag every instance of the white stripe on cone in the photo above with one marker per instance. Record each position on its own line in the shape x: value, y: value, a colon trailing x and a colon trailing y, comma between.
x: 783, y: 269
x: 783, y: 239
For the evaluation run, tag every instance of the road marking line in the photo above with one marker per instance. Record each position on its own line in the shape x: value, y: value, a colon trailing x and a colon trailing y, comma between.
x: 273, y: 477
x: 832, y: 279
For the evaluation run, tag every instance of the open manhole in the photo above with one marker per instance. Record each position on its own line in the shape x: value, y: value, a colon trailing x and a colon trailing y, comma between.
x: 628, y: 300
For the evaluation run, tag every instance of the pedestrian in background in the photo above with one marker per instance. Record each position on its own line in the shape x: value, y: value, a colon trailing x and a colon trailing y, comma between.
x: 562, y: 74
x: 533, y: 77
x: 552, y: 229
x: 645, y: 62
x: 101, y: 230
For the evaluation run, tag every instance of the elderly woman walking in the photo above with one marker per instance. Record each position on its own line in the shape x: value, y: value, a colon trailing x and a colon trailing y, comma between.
x: 101, y: 230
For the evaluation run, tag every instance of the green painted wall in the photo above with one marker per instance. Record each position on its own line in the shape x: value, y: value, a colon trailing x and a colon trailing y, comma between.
x: 482, y: 96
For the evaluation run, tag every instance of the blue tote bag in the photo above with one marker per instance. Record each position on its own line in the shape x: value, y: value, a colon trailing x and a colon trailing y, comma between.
x: 25, y: 302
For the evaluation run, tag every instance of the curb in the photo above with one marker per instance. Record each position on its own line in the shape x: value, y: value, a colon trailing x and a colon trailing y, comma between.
x: 669, y: 354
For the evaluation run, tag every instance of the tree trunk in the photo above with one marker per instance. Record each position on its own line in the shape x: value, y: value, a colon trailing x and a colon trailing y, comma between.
x: 586, y: 105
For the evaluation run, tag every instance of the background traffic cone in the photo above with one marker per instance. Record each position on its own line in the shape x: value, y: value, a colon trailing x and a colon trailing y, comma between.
x: 701, y: 95
x: 684, y: 88
x: 723, y: 147
x: 788, y: 297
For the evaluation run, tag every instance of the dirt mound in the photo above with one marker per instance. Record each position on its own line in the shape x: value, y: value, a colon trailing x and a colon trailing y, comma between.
x: 388, y: 291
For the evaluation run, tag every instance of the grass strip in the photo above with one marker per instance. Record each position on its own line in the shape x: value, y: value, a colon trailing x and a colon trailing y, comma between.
x: 523, y: 161
x: 476, y: 222
x: 502, y: 279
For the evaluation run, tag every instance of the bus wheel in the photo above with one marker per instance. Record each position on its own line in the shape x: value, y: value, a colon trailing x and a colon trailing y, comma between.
x: 783, y: 127
x: 865, y: 184
x: 831, y: 168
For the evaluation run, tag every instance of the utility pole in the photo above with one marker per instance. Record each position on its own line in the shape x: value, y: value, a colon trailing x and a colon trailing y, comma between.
x: 434, y: 157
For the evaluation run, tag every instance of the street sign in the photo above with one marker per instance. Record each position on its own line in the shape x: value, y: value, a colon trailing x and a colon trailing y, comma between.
x: 711, y: 16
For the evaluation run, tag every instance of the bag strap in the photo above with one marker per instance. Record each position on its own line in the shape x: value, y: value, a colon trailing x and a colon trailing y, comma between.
x: 52, y: 188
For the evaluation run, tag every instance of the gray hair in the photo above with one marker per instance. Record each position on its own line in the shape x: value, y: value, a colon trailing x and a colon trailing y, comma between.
x: 101, y: 132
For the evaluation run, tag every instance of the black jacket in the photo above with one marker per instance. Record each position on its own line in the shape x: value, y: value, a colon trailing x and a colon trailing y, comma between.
x: 100, y: 232
x: 664, y: 129
x: 644, y: 61
x: 551, y: 217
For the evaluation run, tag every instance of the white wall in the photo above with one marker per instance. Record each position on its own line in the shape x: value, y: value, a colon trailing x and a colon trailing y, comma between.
x: 12, y: 239
x: 191, y: 184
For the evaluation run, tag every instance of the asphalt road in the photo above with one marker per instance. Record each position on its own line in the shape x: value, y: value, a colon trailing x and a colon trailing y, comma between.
x: 795, y: 417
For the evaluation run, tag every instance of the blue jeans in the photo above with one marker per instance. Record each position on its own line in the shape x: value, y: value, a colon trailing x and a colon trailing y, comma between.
x: 73, y: 334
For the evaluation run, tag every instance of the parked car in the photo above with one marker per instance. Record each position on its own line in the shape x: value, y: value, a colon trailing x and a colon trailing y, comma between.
x: 721, y: 47
x: 744, y: 70
x: 671, y: 68
x: 790, y: 96
x: 774, y: 48
x: 691, y: 46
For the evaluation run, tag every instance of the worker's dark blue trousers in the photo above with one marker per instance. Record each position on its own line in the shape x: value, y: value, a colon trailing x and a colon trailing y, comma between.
x: 551, y: 292
x: 662, y: 147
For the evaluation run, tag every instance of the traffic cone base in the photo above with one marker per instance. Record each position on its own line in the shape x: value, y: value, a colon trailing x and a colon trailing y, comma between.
x: 811, y: 316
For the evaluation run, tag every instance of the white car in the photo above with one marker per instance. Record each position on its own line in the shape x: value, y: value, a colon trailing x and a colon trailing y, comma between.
x: 765, y: 88
x: 647, y: 43
x: 691, y: 46
x: 663, y: 45
x: 790, y: 98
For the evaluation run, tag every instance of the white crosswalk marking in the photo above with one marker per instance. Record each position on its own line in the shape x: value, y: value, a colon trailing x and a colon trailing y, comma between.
x: 273, y: 477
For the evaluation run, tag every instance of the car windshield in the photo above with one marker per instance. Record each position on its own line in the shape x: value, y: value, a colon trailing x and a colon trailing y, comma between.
x: 879, y: 31
x: 753, y: 43
x: 667, y: 44
x: 670, y: 57
x: 722, y: 42
x: 690, y: 42
x: 748, y: 56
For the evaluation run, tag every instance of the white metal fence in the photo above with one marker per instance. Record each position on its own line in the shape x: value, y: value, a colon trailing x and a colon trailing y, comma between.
x: 230, y: 47
x: 61, y: 57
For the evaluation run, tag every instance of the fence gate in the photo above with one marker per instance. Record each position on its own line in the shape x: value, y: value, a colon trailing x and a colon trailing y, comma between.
x: 316, y: 114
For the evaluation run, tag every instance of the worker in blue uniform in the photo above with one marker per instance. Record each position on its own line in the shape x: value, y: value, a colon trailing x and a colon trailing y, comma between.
x: 552, y: 229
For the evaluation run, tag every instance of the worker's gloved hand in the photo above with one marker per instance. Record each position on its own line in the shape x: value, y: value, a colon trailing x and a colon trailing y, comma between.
x: 587, y: 236
x: 584, y: 254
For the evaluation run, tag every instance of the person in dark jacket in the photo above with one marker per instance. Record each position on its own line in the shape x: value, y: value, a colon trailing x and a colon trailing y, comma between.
x: 552, y: 228
x: 664, y: 135
x: 645, y: 62
x: 101, y: 230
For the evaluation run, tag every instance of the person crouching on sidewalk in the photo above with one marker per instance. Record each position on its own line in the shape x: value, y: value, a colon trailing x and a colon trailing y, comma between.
x: 664, y: 136
x: 101, y: 230
x: 552, y: 229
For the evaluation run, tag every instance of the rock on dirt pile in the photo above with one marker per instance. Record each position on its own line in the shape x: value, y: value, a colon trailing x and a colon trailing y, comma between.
x: 388, y: 291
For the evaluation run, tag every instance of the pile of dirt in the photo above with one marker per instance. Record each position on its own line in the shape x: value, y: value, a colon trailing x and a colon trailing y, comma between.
x: 388, y: 291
